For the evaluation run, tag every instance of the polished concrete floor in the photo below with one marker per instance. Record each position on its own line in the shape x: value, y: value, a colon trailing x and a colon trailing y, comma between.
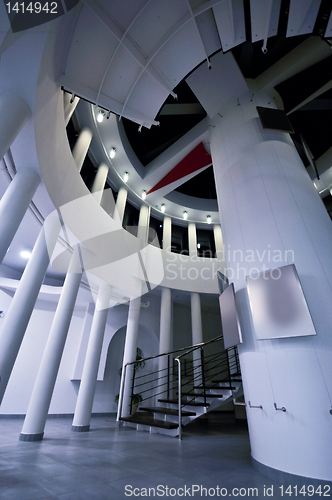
x: 111, y: 463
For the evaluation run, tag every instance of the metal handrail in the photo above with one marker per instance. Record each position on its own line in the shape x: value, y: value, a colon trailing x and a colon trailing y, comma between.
x: 195, y: 373
x: 193, y: 347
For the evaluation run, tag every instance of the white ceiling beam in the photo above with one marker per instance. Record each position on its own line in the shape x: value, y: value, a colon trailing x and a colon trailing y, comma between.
x: 313, y: 96
x: 309, y: 52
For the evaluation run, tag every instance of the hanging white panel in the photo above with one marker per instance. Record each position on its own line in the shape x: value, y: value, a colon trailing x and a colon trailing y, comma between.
x: 229, y: 16
x: 208, y: 31
x: 264, y: 19
x: 302, y: 16
x: 328, y: 31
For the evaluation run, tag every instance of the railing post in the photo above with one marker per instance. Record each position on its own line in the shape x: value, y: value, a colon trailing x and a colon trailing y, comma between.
x: 119, y: 415
x: 203, y: 373
x: 180, y: 398
x: 229, y: 370
x: 132, y: 388
x: 168, y: 372
x: 237, y: 360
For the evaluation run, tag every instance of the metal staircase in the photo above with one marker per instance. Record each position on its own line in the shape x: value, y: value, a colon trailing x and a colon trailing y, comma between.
x: 194, y: 381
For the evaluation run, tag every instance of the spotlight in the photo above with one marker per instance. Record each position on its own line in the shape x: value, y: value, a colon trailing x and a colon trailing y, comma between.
x: 208, y: 219
x: 185, y: 215
x: 72, y: 98
x: 25, y: 254
x: 112, y: 153
x: 143, y: 195
x: 163, y: 208
x: 100, y: 116
x: 125, y: 177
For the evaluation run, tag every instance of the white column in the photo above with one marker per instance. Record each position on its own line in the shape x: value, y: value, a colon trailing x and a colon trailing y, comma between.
x: 22, y: 304
x: 14, y: 112
x: 120, y: 205
x: 34, y: 423
x: 167, y: 233
x: 218, y: 241
x: 14, y: 204
x: 143, y: 223
x: 197, y: 331
x: 99, y: 182
x: 165, y: 340
x: 192, y: 239
x: 129, y: 354
x: 69, y: 107
x: 81, y: 147
x: 272, y: 216
x: 83, y: 410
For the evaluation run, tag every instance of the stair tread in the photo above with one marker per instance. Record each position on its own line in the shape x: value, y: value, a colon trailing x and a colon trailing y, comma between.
x: 184, y: 403
x: 167, y: 411
x: 201, y: 395
x: 145, y: 419
x: 216, y: 381
x: 213, y: 386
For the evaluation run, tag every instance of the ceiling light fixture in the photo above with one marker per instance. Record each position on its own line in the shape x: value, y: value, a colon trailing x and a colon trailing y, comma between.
x: 143, y: 195
x: 185, y: 215
x: 163, y: 208
x: 125, y: 177
x: 112, y: 153
x: 208, y: 219
x: 25, y: 254
x: 100, y: 116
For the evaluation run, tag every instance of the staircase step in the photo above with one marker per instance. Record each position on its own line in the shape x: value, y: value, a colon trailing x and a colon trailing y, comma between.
x: 214, y: 386
x: 168, y: 411
x: 193, y: 395
x: 145, y: 419
x: 224, y: 380
x: 184, y: 403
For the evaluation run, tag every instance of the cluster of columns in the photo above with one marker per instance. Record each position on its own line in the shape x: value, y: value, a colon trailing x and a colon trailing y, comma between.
x: 192, y: 238
x: 13, y: 207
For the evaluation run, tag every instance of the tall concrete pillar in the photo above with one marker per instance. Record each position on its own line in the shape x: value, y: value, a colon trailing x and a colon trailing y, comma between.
x: 120, y: 205
x: 192, y: 239
x: 165, y: 340
x: 218, y: 241
x: 82, y: 146
x: 272, y: 216
x: 167, y: 233
x: 143, y: 223
x: 14, y: 204
x: 197, y: 333
x: 129, y: 354
x: 22, y: 304
x: 83, y: 410
x: 69, y: 107
x: 14, y: 112
x: 34, y: 423
x: 99, y: 182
